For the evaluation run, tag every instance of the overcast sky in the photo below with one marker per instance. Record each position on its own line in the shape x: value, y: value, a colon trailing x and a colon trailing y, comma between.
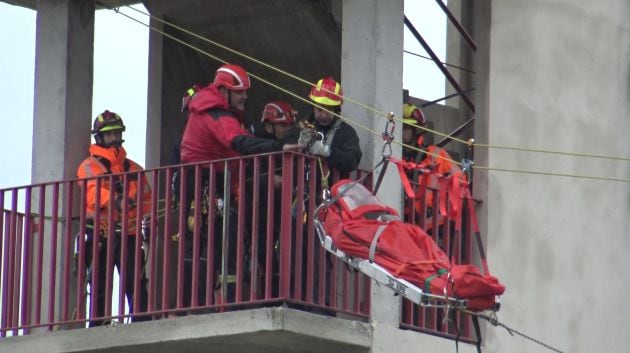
x: 122, y: 88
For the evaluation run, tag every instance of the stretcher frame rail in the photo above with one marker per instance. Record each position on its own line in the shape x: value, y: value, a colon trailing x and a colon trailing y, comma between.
x: 380, y: 275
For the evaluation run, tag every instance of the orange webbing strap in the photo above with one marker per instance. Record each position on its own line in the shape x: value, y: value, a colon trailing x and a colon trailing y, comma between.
x: 402, y: 166
x: 423, y: 178
x: 442, y: 187
x: 447, y: 185
x: 455, y: 196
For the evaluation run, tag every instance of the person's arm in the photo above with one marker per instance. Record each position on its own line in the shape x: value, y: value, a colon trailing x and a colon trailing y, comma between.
x: 90, y: 168
x: 234, y: 136
x: 248, y: 144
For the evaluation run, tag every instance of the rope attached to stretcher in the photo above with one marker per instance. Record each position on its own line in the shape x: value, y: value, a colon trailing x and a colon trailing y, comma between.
x: 492, y: 319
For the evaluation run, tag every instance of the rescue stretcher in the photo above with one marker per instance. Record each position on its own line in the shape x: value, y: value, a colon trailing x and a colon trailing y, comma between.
x: 353, y: 198
x: 383, y: 277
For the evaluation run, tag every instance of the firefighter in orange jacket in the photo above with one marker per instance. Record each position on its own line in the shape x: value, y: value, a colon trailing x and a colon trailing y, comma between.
x: 437, y: 161
x: 107, y: 156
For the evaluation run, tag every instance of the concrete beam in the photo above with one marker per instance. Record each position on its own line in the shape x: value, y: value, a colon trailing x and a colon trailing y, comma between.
x: 277, y: 330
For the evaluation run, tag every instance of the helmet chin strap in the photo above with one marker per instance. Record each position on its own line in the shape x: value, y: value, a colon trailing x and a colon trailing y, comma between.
x: 116, y: 143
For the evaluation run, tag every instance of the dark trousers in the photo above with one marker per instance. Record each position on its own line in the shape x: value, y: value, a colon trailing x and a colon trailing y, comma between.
x: 129, y: 277
x: 217, y: 259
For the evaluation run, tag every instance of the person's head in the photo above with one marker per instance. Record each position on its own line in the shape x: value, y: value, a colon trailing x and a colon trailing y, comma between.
x: 277, y: 118
x: 108, y: 128
x: 411, y: 115
x: 328, y: 95
x: 233, y: 83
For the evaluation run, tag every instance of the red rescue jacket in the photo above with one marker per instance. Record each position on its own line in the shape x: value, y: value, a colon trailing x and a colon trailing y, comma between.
x: 208, y: 135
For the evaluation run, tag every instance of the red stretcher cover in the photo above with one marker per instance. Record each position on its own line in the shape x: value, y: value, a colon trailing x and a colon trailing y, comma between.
x: 362, y: 226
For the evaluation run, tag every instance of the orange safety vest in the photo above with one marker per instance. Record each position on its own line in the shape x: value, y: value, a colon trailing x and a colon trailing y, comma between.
x: 438, y: 175
x: 113, y: 160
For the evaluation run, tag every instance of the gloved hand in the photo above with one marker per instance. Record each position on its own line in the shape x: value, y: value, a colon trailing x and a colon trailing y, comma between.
x: 320, y: 149
x: 306, y: 135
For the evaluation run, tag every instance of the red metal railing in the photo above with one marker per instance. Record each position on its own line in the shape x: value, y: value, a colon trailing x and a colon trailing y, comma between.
x: 261, y: 249
x: 456, y: 243
x: 253, y: 213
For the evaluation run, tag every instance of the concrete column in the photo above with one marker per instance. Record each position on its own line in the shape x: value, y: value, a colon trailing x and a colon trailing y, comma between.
x: 371, y: 73
x: 63, y: 88
x: 63, y: 100
x: 154, y: 95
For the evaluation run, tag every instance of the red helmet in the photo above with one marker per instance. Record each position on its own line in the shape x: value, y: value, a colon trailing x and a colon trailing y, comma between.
x: 327, y: 92
x: 232, y: 77
x: 413, y: 115
x: 107, y: 121
x: 279, y: 112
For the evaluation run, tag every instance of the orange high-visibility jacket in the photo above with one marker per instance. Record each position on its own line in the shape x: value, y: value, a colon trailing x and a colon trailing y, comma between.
x: 94, y: 166
x: 440, y: 163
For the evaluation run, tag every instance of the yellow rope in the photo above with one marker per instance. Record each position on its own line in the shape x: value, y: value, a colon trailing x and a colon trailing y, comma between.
x: 307, y: 101
x: 243, y: 55
x: 324, y: 180
x: 552, y: 174
x: 522, y: 149
x: 573, y: 154
x: 385, y: 115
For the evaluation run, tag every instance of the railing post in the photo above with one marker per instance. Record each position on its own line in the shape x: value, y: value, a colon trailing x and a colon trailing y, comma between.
x: 285, y: 225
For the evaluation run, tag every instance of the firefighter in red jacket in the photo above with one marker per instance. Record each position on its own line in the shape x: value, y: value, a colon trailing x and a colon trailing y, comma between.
x: 107, y: 156
x: 215, y: 130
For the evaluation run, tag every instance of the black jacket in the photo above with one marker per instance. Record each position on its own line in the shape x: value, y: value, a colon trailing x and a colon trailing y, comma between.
x: 345, y: 151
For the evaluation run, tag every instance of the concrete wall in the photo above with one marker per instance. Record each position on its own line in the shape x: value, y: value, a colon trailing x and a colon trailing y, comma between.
x: 556, y: 75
